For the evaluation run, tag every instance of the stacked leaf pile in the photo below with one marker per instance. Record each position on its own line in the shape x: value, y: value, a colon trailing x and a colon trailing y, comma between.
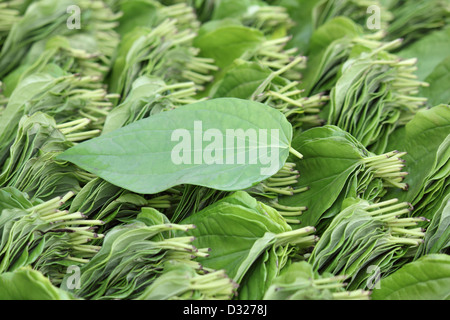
x: 232, y: 149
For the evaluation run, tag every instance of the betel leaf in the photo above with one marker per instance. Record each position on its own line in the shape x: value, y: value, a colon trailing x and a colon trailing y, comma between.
x: 421, y: 138
x: 29, y: 89
x: 437, y: 236
x: 182, y: 282
x: 144, y: 92
x: 425, y: 279
x: 259, y: 276
x: 241, y: 80
x: 301, y: 11
x: 12, y: 198
x: 237, y: 229
x: 299, y: 281
x: 234, y: 8
x: 425, y: 51
x: 28, y: 284
x: 226, y: 144
x: 225, y: 40
x: 136, y: 13
x: 330, y: 158
x: 336, y: 28
x: 437, y: 92
x: 40, y: 20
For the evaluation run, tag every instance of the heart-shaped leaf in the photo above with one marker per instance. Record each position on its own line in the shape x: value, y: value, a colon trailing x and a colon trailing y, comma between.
x: 226, y: 144
x: 425, y: 279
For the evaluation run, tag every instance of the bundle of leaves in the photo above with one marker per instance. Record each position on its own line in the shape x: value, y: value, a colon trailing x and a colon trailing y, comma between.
x: 42, y: 236
x: 337, y: 166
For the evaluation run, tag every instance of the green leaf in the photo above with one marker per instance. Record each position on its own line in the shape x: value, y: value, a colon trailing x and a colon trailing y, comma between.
x: 421, y: 138
x: 28, y: 284
x: 168, y: 285
x: 299, y: 281
x: 329, y: 160
x: 334, y: 29
x: 412, y: 21
x: 425, y: 51
x: 301, y: 11
x: 238, y: 230
x: 437, y: 237
x: 136, y: 13
x: 295, y: 278
x: 143, y: 93
x: 241, y: 80
x: 128, y: 260
x: 41, y: 19
x: 425, y: 279
x: 437, y: 92
x: 224, y: 41
x: 233, y: 8
x: 181, y: 282
x: 260, y: 275
x: 12, y: 198
x: 363, y: 235
x: 145, y: 157
x: 33, y: 87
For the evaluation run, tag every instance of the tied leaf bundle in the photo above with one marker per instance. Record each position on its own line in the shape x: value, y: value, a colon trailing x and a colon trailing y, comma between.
x: 31, y: 166
x: 43, y: 236
x: 137, y: 253
x: 335, y: 162
x: 367, y: 235
x: 300, y: 282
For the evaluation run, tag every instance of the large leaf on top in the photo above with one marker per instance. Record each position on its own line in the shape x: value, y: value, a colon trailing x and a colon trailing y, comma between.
x: 425, y: 279
x: 227, y: 144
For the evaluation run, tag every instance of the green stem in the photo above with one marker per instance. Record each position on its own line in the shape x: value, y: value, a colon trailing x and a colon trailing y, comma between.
x: 352, y: 295
x: 276, y: 205
x: 292, y: 221
x: 406, y: 241
x: 295, y: 153
x: 52, y: 204
x: 80, y: 260
x: 407, y: 232
x: 86, y: 248
x: 290, y: 213
x: 282, y: 183
x: 382, y: 204
x: 391, y: 208
x: 278, y: 190
x: 283, y: 179
x: 300, y: 190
